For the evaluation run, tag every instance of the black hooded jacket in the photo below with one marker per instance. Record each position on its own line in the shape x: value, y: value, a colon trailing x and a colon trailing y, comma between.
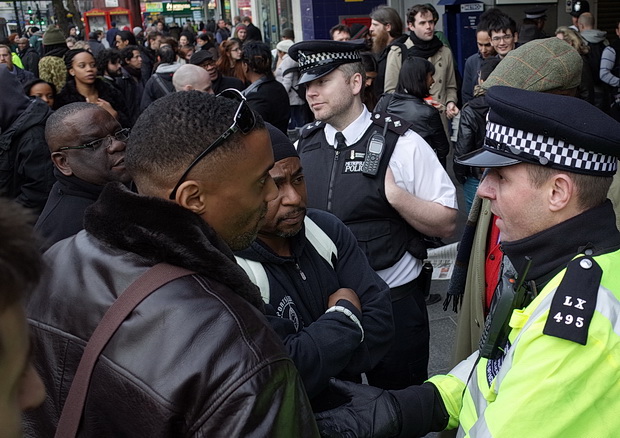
x: 26, y: 170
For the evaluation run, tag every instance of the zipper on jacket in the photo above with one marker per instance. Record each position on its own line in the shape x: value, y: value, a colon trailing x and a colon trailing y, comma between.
x: 301, y: 273
x: 330, y: 191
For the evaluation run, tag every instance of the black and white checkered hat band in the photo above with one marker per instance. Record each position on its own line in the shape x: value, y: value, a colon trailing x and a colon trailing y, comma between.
x: 325, y: 58
x: 547, y: 150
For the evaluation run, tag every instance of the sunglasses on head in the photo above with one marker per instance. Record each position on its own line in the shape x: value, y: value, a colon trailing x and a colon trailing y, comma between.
x: 243, y: 121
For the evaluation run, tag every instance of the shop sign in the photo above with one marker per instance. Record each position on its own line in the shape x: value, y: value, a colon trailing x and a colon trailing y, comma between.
x: 177, y: 7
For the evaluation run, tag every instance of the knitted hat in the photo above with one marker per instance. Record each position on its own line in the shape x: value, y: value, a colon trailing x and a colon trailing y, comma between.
x: 540, y: 65
x: 282, y: 146
x: 284, y: 45
x: 52, y: 36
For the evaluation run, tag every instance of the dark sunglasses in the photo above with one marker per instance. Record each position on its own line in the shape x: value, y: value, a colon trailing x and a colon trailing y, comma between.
x: 121, y: 135
x: 244, y: 121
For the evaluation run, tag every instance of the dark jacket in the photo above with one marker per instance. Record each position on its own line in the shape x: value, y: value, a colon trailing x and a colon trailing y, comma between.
x: 472, y: 130
x: 149, y: 58
x: 425, y: 120
x: 131, y: 88
x: 323, y: 345
x: 95, y: 46
x: 159, y: 84
x: 224, y: 82
x: 63, y: 215
x: 23, y: 76
x: 196, y: 358
x: 30, y: 58
x: 270, y: 99
x: 254, y: 33
x: 26, y: 170
x: 69, y: 94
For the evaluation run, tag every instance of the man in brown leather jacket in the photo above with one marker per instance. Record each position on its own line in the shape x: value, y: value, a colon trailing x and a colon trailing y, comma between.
x: 196, y: 358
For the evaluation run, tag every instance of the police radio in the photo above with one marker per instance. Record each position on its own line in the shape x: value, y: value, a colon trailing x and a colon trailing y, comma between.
x: 508, y: 296
x: 374, y: 152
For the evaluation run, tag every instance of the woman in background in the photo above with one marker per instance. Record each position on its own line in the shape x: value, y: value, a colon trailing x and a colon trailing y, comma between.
x: 229, y: 62
x: 409, y: 103
x: 44, y: 90
x: 83, y: 85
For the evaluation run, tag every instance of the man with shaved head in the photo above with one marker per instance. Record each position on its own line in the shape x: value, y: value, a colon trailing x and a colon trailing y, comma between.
x: 87, y: 146
x: 191, y: 77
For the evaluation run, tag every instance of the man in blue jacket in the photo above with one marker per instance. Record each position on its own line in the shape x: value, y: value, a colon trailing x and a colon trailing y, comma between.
x: 331, y: 310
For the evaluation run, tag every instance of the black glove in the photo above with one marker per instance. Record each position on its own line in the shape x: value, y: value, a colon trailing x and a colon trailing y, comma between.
x: 371, y: 412
x: 461, y: 172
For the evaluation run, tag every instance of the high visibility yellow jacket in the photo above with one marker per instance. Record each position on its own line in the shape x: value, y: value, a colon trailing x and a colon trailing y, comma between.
x: 546, y: 385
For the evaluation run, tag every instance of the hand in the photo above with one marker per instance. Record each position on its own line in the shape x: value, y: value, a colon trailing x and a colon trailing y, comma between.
x: 344, y: 293
x: 106, y: 106
x: 371, y: 412
x: 451, y: 110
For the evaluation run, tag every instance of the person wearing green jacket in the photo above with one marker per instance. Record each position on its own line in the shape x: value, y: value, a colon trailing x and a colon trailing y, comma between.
x: 549, y: 364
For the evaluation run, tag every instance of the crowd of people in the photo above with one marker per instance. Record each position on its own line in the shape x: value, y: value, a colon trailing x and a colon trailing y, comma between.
x: 208, y: 237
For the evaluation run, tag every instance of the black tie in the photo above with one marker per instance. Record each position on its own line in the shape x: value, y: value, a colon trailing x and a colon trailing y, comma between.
x: 341, y: 142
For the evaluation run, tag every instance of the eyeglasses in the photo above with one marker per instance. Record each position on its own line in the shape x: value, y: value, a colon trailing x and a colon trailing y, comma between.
x: 507, y: 38
x: 106, y: 141
x: 244, y: 121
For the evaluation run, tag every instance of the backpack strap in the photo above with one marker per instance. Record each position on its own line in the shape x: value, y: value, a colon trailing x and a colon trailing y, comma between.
x: 323, y: 244
x: 142, y: 287
x: 258, y: 276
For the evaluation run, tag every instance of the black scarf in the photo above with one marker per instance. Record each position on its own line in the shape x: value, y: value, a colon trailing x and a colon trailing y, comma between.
x: 162, y: 231
x: 424, y: 49
x: 553, y: 248
x: 134, y: 72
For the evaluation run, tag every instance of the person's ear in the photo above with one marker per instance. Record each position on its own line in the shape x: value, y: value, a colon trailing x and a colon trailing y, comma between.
x: 561, y: 191
x: 516, y: 39
x: 62, y: 164
x: 191, y: 195
x: 356, y: 83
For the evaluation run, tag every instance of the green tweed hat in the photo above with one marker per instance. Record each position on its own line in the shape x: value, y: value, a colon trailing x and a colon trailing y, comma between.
x: 540, y: 65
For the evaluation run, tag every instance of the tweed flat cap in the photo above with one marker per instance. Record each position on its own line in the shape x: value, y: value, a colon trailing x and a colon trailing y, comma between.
x: 551, y: 130
x: 320, y: 57
x: 540, y: 65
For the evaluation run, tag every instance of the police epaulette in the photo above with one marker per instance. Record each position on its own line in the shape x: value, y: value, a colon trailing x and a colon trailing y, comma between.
x: 311, y: 128
x: 574, y: 301
x: 395, y: 123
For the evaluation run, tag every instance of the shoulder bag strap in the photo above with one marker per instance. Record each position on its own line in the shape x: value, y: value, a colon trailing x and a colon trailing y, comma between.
x: 147, y: 283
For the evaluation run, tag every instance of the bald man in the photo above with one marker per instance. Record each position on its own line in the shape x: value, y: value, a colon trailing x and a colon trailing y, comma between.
x: 87, y: 146
x: 191, y: 77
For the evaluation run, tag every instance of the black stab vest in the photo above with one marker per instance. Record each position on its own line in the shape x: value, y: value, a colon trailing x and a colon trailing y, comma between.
x: 335, y: 183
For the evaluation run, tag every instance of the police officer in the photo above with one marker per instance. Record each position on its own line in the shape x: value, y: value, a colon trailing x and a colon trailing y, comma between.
x: 383, y: 181
x: 556, y: 373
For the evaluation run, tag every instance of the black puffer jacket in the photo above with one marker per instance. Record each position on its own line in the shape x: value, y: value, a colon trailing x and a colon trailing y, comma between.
x: 472, y: 130
x: 425, y: 120
x: 26, y: 170
x: 195, y: 359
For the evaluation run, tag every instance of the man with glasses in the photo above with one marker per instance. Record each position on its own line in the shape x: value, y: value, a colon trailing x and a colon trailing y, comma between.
x: 197, y: 357
x: 204, y: 59
x: 88, y: 151
x: 503, y: 33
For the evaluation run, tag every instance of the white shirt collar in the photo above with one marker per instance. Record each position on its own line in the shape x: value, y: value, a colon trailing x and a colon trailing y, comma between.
x: 353, y: 132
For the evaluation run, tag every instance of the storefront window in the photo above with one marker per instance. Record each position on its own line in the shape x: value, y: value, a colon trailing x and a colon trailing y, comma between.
x: 276, y: 15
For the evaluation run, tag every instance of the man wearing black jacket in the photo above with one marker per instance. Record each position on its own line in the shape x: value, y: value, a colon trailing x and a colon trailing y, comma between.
x: 196, y: 357
x: 81, y: 172
x: 331, y: 310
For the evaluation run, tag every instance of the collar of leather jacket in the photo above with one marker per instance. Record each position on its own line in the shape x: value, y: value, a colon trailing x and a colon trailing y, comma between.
x: 162, y: 231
